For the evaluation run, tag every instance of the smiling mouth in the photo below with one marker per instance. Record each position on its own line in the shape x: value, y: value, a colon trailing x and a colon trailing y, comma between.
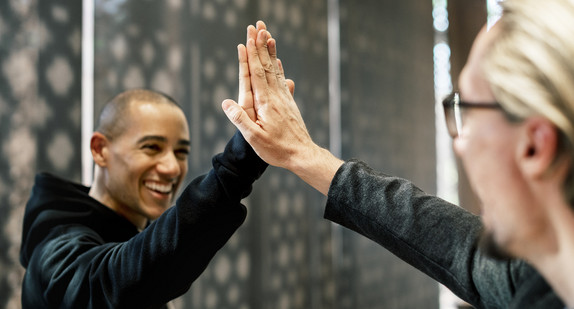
x: 159, y: 188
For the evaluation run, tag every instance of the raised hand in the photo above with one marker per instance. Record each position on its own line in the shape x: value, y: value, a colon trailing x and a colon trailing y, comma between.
x: 245, y: 99
x: 272, y: 123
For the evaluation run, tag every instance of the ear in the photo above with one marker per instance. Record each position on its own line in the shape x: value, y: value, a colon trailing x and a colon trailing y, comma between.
x: 538, y: 147
x: 99, y: 144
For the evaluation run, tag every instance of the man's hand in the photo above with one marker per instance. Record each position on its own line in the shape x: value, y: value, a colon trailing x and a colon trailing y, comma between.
x: 270, y: 120
x: 262, y: 86
x: 245, y: 99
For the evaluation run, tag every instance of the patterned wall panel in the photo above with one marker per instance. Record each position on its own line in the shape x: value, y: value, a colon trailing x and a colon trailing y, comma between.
x: 388, y: 122
x: 39, y: 114
x: 296, y: 268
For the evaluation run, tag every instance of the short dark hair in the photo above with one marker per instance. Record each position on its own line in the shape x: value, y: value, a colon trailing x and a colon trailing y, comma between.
x: 114, y: 117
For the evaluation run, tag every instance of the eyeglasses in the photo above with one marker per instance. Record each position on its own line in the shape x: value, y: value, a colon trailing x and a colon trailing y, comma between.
x: 453, y: 115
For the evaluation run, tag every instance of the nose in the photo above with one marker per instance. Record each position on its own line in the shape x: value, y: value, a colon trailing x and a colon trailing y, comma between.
x: 169, y: 165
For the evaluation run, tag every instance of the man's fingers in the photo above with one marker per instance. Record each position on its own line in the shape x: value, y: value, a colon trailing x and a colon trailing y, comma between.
x: 250, y: 31
x: 272, y: 48
x: 281, y: 76
x: 244, y: 78
x: 245, y: 98
x: 261, y: 25
x: 262, y: 38
x: 257, y: 73
x: 291, y: 86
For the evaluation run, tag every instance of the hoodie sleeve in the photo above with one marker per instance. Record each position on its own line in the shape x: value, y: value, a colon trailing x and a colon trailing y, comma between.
x: 75, y: 268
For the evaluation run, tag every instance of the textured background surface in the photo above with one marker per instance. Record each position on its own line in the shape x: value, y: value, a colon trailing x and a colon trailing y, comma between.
x: 283, y: 256
x: 40, y: 62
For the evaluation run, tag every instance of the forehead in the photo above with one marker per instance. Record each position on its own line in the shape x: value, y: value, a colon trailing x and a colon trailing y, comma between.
x: 472, y: 83
x: 161, y: 119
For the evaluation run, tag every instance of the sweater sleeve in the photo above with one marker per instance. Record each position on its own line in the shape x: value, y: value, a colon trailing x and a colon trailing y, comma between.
x: 427, y: 232
x: 79, y: 269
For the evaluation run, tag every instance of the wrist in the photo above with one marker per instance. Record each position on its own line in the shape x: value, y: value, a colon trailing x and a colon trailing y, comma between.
x: 316, y: 166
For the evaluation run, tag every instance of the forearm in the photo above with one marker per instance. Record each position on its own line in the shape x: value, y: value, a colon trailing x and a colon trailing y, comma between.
x: 429, y: 233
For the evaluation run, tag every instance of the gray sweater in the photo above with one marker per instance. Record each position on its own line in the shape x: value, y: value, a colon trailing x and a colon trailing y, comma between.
x: 434, y: 236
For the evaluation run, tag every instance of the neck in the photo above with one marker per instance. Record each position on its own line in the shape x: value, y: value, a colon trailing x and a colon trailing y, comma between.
x: 556, y: 265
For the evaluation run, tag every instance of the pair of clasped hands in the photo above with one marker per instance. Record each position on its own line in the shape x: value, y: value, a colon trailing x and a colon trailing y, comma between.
x: 268, y: 117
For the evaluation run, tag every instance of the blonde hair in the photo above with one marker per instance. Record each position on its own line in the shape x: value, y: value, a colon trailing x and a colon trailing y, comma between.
x: 530, y: 67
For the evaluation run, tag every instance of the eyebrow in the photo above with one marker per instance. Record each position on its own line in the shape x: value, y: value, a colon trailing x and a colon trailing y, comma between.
x: 159, y: 138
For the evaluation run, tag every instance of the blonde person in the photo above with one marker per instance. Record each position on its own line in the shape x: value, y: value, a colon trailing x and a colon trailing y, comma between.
x: 512, y: 121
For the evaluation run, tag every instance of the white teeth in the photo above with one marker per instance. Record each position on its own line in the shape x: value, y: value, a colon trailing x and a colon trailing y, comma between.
x: 158, y: 187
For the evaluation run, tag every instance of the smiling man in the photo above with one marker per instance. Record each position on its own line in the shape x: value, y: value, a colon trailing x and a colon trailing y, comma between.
x: 513, y: 128
x: 140, y: 149
x: 120, y: 244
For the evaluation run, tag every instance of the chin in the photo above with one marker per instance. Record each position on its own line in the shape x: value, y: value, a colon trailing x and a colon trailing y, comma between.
x: 491, y: 248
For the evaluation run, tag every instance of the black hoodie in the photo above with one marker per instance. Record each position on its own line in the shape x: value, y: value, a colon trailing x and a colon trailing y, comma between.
x: 81, y: 254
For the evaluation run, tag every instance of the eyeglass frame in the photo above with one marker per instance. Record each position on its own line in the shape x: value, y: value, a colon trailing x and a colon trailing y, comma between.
x: 454, y: 103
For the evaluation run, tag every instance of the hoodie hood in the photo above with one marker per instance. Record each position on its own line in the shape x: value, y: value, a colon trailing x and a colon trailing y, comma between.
x: 55, y: 201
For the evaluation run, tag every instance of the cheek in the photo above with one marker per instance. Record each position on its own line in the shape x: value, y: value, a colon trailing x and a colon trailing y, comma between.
x: 183, y: 168
x: 474, y: 155
x: 489, y: 163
